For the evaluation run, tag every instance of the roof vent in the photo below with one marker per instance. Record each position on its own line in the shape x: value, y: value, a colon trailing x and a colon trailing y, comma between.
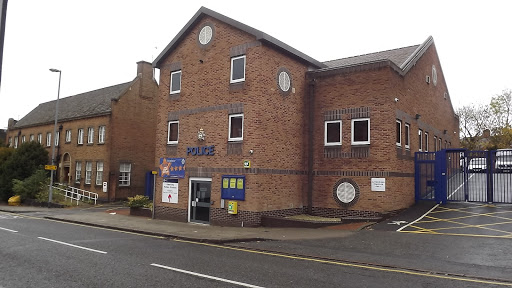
x: 427, y: 79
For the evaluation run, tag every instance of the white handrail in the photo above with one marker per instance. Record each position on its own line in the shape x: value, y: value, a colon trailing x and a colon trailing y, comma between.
x: 77, y: 194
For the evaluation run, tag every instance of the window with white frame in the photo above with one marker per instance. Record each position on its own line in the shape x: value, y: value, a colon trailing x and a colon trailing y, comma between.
x: 10, y: 141
x: 57, y: 138
x: 88, y: 172
x: 398, y: 133
x: 101, y: 134
x: 360, y: 131
x: 40, y: 138
x: 173, y: 132
x: 80, y: 136
x: 426, y: 141
x: 440, y: 143
x: 332, y: 133
x: 31, y: 137
x: 68, y: 136
x: 237, y: 69
x: 445, y: 144
x: 90, y: 135
x: 23, y: 139
x: 407, y: 136
x: 420, y: 140
x: 99, y: 173
x: 78, y: 171
x: 175, y: 82
x: 15, y: 141
x: 236, y: 127
x: 435, y: 143
x: 48, y: 139
x: 125, y: 170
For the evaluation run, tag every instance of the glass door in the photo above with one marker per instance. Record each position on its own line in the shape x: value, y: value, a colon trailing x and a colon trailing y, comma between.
x: 200, y: 201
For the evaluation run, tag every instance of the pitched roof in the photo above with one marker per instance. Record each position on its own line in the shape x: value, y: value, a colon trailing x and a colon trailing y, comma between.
x: 88, y: 104
x: 403, y: 58
x: 260, y: 36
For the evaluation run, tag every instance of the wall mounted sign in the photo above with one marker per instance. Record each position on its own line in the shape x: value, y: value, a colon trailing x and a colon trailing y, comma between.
x: 172, y: 167
x: 247, y: 164
x: 198, y: 151
x: 233, y: 187
x: 379, y: 184
x: 170, y: 191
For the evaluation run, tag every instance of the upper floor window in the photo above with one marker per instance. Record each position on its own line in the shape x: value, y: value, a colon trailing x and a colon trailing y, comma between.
x: 407, y: 137
x: 57, y: 137
x: 40, y: 138
x: 68, y: 136
x: 236, y: 127
x: 237, y: 69
x: 420, y: 140
x: 399, y: 133
x: 80, y: 136
x: 361, y: 131
x: 90, y: 135
x: 173, y: 132
x: 23, y: 139
x: 125, y: 170
x: 175, y: 82
x: 101, y: 134
x: 31, y: 137
x: 48, y: 139
x: 332, y: 133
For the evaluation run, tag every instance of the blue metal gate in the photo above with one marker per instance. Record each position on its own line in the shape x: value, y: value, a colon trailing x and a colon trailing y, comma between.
x: 461, y: 175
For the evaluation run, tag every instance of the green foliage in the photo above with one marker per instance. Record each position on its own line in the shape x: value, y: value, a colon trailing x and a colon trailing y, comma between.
x: 31, y: 186
x: 20, y: 164
x: 57, y: 196
x: 139, y: 201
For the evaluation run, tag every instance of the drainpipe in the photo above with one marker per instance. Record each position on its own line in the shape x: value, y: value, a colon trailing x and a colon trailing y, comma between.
x: 310, y: 102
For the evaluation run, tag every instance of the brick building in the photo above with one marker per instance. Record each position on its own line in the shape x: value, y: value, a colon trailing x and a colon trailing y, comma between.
x: 243, y: 116
x: 105, y: 135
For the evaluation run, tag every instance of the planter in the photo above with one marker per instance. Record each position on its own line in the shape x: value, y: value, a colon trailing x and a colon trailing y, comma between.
x: 140, y: 211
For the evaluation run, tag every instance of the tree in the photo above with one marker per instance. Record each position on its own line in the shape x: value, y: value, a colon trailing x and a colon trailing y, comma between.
x: 501, y: 109
x: 21, y: 164
x: 473, y: 121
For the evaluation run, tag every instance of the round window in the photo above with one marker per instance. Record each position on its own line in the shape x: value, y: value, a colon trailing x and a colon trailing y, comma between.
x: 205, y: 35
x: 284, y: 81
x: 434, y: 75
x: 346, y: 192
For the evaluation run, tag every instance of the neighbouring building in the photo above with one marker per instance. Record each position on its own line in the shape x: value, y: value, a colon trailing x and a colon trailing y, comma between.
x: 3, y: 135
x: 250, y: 127
x: 105, y: 138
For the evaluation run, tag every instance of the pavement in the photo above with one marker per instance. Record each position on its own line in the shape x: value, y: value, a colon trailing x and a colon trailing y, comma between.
x: 116, y: 217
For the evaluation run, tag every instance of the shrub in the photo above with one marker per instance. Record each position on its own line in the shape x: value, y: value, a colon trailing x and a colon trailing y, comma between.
x: 139, y: 201
x: 31, y: 186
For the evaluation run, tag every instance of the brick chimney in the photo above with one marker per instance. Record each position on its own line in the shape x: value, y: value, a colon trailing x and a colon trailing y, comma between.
x: 144, y: 70
x: 11, y: 123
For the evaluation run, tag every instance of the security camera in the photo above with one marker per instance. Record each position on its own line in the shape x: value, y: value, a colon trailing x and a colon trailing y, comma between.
x: 251, y: 151
x: 396, y: 99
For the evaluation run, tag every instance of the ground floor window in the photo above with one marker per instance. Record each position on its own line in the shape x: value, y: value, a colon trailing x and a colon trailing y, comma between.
x: 78, y: 171
x: 99, y: 173
x: 125, y: 170
x: 88, y: 172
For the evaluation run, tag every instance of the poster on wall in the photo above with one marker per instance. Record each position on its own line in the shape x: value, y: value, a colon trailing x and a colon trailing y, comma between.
x: 172, y: 168
x: 170, y: 192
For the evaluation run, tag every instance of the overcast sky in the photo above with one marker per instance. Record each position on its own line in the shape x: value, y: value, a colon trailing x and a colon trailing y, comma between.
x: 96, y: 43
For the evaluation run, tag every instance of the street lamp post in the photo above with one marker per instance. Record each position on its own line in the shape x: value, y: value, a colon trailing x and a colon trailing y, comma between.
x: 54, y: 135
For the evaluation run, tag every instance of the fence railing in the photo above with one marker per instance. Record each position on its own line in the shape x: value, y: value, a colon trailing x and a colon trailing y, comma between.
x: 77, y: 194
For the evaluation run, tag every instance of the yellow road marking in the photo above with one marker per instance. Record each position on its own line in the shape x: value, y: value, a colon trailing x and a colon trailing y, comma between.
x: 471, y: 216
x: 463, y: 226
x: 392, y: 270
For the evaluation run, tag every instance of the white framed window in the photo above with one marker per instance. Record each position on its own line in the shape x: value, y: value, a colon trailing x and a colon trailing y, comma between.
x: 99, y: 173
x: 68, y: 136
x: 236, y: 127
x: 420, y: 140
x: 57, y: 138
x: 90, y: 135
x: 101, y: 134
x: 88, y: 172
x: 80, y: 136
x: 78, y: 171
x: 23, y: 139
x: 398, y: 133
x: 125, y: 170
x: 360, y: 131
x: 426, y: 141
x: 40, y: 138
x: 173, y: 132
x: 332, y: 133
x: 440, y: 143
x: 407, y: 136
x: 237, y: 69
x: 445, y: 144
x: 48, y: 139
x: 175, y: 82
x: 10, y: 141
x: 16, y: 141
x: 31, y: 138
x: 435, y: 143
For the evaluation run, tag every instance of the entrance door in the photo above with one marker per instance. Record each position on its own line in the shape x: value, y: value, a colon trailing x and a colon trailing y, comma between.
x: 200, y: 192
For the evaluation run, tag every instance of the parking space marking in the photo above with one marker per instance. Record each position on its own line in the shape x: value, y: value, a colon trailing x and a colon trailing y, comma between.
x: 502, y: 227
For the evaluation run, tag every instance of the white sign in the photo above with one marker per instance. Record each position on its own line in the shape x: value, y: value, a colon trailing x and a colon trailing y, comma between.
x: 379, y: 184
x: 105, y: 187
x: 169, y: 192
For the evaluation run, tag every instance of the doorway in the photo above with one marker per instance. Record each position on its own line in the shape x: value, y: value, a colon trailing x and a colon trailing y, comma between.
x: 200, y: 190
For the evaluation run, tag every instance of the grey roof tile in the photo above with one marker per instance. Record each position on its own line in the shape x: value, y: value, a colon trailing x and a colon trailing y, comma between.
x: 397, y: 56
x: 82, y: 105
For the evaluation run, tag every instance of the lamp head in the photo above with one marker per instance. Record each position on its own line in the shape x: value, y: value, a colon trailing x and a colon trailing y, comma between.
x: 54, y: 70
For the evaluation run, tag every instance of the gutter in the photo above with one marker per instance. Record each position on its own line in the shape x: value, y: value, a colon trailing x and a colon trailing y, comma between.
x: 310, y: 102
